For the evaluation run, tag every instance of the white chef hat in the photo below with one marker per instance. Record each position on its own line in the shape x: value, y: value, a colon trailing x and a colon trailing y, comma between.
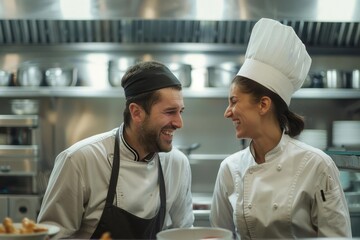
x: 276, y: 58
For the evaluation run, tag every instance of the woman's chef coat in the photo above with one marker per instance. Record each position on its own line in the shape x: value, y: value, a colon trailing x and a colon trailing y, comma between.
x: 295, y: 193
x: 78, y: 186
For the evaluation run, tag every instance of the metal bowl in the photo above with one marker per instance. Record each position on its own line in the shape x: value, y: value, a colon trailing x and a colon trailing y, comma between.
x: 182, y: 72
x: 29, y: 75
x: 61, y: 77
x: 4, y: 78
x: 24, y: 106
x: 117, y: 69
x: 222, y: 75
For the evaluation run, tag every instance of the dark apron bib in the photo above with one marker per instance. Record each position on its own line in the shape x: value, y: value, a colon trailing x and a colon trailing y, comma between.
x: 122, y: 224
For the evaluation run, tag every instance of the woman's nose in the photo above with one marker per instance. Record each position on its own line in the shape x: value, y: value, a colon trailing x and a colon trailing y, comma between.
x: 227, y: 112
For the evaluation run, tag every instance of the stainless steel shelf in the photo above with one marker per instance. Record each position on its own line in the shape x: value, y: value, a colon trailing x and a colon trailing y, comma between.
x: 19, y: 121
x: 346, y: 160
x: 18, y: 151
x: 206, y: 92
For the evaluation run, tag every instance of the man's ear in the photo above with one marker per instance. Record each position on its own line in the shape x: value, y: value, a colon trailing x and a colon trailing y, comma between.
x: 265, y: 104
x: 137, y: 112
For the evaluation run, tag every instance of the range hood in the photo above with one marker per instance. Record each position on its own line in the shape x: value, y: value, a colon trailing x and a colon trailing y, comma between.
x: 322, y: 24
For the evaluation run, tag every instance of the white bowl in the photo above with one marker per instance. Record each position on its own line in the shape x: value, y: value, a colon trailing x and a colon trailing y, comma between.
x: 195, y: 233
x: 314, y: 137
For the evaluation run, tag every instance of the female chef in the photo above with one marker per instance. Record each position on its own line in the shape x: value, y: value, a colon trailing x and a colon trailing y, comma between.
x: 278, y: 187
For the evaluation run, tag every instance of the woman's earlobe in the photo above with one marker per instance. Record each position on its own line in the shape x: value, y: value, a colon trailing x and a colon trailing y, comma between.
x: 265, y: 104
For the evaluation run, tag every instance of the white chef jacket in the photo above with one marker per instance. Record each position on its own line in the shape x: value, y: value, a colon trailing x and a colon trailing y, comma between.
x: 281, y: 198
x: 75, y: 197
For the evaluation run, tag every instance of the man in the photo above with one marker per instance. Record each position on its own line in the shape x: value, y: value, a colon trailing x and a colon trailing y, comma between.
x: 129, y: 182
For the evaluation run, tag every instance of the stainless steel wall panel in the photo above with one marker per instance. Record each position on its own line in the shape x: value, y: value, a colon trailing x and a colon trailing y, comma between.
x: 21, y: 206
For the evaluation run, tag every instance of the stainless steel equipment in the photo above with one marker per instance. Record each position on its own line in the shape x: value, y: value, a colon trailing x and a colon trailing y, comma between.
x: 19, y: 157
x: 179, y: 21
x: 20, y: 195
x: 61, y: 76
x: 24, y: 106
x: 4, y: 78
x: 335, y: 79
x: 29, y: 75
x: 222, y: 74
x: 355, y: 79
x: 182, y: 72
x: 21, y: 206
x: 117, y: 69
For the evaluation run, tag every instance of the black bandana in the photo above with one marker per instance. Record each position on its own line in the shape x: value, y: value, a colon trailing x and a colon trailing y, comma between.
x: 150, y: 80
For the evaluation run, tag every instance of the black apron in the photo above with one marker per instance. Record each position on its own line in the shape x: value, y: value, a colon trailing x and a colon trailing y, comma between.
x: 122, y: 224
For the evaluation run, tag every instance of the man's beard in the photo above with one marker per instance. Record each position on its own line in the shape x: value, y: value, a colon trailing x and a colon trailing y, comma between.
x: 149, y: 138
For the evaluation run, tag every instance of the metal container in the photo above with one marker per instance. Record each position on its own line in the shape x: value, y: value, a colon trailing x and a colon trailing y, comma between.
x: 5, y: 78
x: 188, y: 149
x: 29, y: 75
x: 61, y: 76
x: 222, y: 74
x: 335, y: 79
x: 182, y: 72
x: 117, y: 69
x: 25, y: 106
x: 355, y: 79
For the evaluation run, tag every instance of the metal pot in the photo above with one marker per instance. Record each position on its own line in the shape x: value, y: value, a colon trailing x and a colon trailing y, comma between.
x: 355, y: 79
x: 117, y: 69
x: 4, y: 78
x: 29, y: 75
x: 222, y: 75
x: 58, y: 76
x: 188, y: 149
x: 182, y: 72
x: 335, y: 79
x: 24, y: 106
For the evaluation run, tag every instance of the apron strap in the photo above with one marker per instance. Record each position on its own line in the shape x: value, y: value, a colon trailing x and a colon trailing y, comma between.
x: 114, y: 172
x: 162, y: 210
x: 114, y: 176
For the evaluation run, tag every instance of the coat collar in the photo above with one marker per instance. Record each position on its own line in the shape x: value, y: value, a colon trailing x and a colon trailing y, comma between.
x: 129, y: 152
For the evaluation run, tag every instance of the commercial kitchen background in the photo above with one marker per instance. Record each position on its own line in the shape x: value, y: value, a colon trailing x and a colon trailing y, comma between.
x: 92, y: 35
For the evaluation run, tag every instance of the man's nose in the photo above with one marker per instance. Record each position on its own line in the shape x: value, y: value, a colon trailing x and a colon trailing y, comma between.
x: 178, y: 121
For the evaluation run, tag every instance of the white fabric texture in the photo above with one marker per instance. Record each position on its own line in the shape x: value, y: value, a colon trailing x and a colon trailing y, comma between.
x: 280, y: 198
x: 78, y: 186
x: 276, y: 58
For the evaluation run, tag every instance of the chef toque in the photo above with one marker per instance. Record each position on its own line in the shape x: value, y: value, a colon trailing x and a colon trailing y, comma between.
x: 276, y: 58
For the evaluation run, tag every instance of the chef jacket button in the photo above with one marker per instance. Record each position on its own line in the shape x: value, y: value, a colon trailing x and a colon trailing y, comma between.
x: 249, y: 205
x: 279, y: 168
x: 275, y: 206
x: 250, y: 171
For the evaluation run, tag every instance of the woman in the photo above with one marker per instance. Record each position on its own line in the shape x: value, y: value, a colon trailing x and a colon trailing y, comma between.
x: 278, y: 187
